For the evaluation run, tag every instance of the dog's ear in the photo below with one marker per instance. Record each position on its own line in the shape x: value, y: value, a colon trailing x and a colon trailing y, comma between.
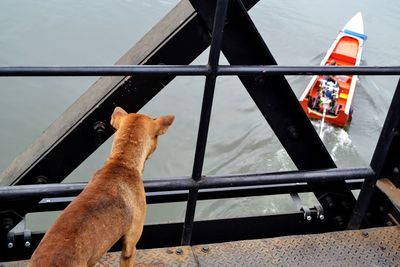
x: 163, y: 123
x: 116, y: 117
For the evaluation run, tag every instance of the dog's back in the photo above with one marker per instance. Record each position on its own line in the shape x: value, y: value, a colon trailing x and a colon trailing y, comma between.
x: 113, y: 204
x: 103, y: 207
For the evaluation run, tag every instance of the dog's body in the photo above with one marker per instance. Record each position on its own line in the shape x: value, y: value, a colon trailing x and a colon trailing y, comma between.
x: 113, y: 204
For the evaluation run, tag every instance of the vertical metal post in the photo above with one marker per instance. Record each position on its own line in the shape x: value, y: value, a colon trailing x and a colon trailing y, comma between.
x: 217, y: 34
x: 380, y: 160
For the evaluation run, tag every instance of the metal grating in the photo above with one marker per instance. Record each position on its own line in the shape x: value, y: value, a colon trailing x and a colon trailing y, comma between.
x: 174, y: 256
x: 371, y: 247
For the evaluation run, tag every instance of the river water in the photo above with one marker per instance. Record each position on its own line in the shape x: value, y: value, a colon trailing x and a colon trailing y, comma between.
x: 98, y: 32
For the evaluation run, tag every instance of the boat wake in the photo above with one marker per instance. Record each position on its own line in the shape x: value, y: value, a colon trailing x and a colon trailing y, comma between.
x: 338, y: 143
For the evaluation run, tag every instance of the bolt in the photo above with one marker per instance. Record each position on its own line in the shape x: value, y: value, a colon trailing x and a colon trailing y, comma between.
x: 396, y: 172
x: 339, y: 220
x: 345, y: 205
x: 205, y: 249
x: 321, y: 216
x: 309, y: 218
x: 364, y: 234
x: 10, y: 245
x: 293, y: 132
x: 179, y: 251
x: 260, y: 80
x: 27, y: 244
x: 329, y: 202
x: 41, y: 179
x: 99, y: 127
x: 8, y: 224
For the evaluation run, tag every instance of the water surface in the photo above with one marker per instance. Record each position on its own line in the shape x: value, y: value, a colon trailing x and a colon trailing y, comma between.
x: 240, y: 141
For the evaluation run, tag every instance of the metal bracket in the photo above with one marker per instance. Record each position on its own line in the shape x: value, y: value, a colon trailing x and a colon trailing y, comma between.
x: 299, y: 204
x: 19, y: 229
x: 10, y: 239
x: 320, y: 212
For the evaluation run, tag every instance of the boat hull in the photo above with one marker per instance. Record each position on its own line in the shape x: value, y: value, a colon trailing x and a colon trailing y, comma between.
x: 346, y: 50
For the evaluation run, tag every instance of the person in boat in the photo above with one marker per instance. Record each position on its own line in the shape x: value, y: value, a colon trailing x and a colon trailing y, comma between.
x: 317, y: 101
x: 331, y: 78
x: 333, y: 106
x: 322, y: 101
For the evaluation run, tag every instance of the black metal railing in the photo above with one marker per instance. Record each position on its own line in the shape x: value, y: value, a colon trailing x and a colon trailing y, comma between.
x: 197, y: 181
x: 192, y: 70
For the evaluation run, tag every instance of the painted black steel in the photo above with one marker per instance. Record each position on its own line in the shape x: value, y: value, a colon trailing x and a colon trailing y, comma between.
x: 53, y: 156
x: 38, y: 191
x: 272, y: 94
x: 52, y: 204
x: 213, y: 60
x: 270, y: 91
x: 191, y: 70
x: 132, y: 93
x: 385, y: 161
x: 213, y: 231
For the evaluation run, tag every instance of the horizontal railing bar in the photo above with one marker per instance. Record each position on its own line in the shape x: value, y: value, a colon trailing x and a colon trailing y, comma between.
x: 11, y: 193
x: 325, y: 175
x: 191, y: 70
x: 59, y: 203
x: 308, y: 70
x: 114, y: 70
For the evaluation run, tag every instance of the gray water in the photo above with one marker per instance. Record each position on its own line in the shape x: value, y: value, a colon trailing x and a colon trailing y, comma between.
x: 98, y: 32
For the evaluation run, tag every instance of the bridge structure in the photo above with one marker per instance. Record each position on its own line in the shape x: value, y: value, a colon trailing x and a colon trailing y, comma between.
x: 162, y: 54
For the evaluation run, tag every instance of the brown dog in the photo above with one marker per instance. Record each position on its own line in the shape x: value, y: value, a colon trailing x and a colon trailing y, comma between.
x: 113, y: 204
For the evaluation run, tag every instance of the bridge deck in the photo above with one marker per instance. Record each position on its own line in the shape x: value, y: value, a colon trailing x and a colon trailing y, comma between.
x: 371, y: 247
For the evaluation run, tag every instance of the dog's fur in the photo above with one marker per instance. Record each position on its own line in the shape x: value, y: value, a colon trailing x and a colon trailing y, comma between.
x: 112, y: 205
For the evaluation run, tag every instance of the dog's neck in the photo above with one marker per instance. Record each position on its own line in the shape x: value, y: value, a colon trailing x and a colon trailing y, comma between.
x: 129, y: 150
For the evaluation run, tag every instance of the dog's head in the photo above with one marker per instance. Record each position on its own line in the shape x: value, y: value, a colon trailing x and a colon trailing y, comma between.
x: 141, y: 128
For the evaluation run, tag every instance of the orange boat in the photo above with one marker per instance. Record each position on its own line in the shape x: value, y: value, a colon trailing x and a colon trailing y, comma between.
x: 328, y: 98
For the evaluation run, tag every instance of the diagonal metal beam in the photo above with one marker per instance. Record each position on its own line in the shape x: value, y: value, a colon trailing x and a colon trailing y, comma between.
x: 243, y: 45
x: 84, y: 126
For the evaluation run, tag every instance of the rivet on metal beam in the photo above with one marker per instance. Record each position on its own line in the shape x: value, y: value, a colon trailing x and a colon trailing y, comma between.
x: 339, y: 220
x: 41, y: 179
x: 293, y: 132
x: 179, y: 251
x: 260, y: 80
x: 8, y: 224
x: 99, y: 127
x: 205, y: 249
x: 396, y: 171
